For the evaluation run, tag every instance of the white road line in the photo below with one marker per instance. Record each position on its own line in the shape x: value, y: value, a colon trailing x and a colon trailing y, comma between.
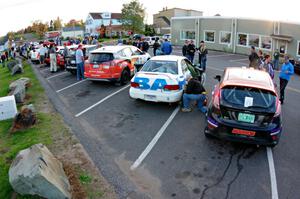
x: 237, y: 60
x: 272, y: 174
x: 107, y: 97
x: 154, y: 140
x: 57, y: 75
x: 60, y: 90
x: 293, y: 89
x: 223, y: 55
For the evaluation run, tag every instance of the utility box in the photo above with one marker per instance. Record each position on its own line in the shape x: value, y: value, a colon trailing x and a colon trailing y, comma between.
x: 8, y: 107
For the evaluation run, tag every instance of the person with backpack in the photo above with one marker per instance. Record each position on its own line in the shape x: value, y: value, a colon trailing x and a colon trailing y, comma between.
x: 202, y: 55
x: 191, y: 49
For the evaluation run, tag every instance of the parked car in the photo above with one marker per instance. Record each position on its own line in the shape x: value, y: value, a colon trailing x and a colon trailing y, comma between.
x: 245, y: 107
x: 114, y: 63
x: 167, y: 36
x: 71, y: 59
x: 35, y: 55
x: 161, y: 79
x: 59, y: 57
x: 151, y: 40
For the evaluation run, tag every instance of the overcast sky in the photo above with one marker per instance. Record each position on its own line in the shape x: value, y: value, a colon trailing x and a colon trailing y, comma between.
x: 18, y: 14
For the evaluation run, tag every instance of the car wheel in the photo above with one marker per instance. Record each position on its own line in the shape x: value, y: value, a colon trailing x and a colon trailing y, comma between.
x: 125, y: 77
x: 207, y: 135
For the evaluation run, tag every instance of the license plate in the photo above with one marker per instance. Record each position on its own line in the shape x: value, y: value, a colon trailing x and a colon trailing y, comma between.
x: 243, y: 132
x: 244, y: 117
x: 95, y: 66
x: 150, y: 97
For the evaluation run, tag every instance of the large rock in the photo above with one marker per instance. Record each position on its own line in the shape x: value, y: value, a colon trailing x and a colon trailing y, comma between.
x: 17, y: 69
x: 19, y: 92
x: 25, y: 119
x: 36, y: 171
x: 11, y: 64
x: 23, y: 80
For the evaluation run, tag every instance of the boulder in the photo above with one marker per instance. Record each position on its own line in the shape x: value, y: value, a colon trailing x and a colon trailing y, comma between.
x: 17, y: 69
x: 19, y: 92
x: 23, y: 80
x: 36, y: 171
x: 11, y: 64
x: 25, y: 119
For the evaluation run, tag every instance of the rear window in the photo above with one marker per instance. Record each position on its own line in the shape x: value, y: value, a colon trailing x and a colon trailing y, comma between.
x: 161, y: 66
x: 100, y: 57
x: 248, y: 98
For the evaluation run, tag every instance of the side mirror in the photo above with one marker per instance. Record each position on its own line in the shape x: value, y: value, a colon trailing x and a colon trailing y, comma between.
x: 218, y: 77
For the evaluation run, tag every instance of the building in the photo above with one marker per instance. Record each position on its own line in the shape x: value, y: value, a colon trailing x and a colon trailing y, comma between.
x: 110, y: 22
x: 237, y: 35
x: 162, y: 20
x: 72, y: 32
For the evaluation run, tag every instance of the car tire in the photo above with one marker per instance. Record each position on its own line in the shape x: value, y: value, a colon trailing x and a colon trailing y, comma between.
x: 125, y: 77
x: 207, y: 135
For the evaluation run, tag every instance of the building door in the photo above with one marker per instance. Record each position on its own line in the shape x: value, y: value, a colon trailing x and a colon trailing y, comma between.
x: 282, y: 47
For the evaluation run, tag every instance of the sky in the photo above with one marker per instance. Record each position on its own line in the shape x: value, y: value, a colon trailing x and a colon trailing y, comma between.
x: 18, y: 14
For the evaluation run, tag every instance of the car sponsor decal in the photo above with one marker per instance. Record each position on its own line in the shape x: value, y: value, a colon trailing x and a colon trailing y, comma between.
x: 145, y: 84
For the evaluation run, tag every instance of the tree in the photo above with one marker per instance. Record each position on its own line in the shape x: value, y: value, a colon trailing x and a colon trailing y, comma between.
x: 57, y: 25
x: 39, y: 28
x: 74, y: 23
x: 149, y: 30
x: 133, y: 15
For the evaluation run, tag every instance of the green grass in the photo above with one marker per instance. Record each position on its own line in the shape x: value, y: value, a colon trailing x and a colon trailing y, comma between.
x: 11, y: 144
x: 85, y: 178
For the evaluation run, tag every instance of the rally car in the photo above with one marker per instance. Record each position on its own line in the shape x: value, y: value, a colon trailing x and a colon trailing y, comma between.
x: 114, y: 63
x: 35, y: 55
x: 245, y: 107
x: 161, y: 79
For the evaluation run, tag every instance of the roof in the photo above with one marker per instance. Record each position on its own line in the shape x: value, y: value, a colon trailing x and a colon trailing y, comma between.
x: 110, y: 49
x: 250, y: 77
x: 98, y: 15
x: 167, y: 58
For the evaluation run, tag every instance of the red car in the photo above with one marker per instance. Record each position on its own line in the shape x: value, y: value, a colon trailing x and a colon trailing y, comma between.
x: 114, y: 63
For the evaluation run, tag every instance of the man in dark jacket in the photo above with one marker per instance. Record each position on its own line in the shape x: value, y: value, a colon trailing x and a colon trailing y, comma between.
x: 194, y: 91
x: 184, y: 48
x: 253, y: 58
x: 191, y: 49
x: 156, y: 46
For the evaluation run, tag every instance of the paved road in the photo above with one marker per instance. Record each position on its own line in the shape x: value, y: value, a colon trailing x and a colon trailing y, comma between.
x: 117, y: 130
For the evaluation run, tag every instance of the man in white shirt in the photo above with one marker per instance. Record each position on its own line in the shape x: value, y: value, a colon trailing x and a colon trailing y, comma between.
x: 79, y: 63
x: 43, y: 51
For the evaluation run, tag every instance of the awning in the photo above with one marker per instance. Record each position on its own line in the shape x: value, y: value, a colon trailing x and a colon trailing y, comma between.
x: 282, y: 37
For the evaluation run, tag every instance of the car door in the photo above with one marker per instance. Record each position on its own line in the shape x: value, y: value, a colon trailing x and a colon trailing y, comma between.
x: 185, y: 71
x: 138, y: 56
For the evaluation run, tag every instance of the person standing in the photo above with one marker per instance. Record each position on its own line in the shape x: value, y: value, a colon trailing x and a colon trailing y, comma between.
x: 202, y: 55
x: 191, y: 49
x: 156, y: 46
x: 43, y: 51
x: 276, y: 59
x: 194, y: 91
x: 145, y: 45
x: 267, y: 66
x: 65, y: 53
x: 52, y: 52
x: 3, y: 57
x: 166, y: 47
x: 253, y: 58
x: 79, y: 63
x: 287, y: 70
x: 184, y: 48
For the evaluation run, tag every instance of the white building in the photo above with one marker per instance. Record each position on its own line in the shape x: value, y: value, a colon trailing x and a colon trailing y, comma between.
x: 72, y: 32
x: 95, y: 20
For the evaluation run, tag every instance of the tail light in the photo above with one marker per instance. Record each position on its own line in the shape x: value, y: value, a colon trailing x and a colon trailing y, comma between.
x: 216, y: 102
x: 171, y: 87
x: 134, y: 85
x: 278, y: 108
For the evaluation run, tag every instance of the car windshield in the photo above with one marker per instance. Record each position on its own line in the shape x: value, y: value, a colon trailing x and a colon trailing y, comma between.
x: 248, y: 98
x: 100, y: 57
x: 161, y: 66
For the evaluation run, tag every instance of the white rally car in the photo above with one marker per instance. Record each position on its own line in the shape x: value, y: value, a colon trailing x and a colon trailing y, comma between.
x: 161, y: 79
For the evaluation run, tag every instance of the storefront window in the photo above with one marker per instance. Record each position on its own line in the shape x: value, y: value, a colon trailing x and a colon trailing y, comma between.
x: 225, y: 37
x: 187, y: 34
x: 242, y: 39
x: 298, y: 49
x: 209, y: 36
x: 254, y: 40
x: 266, y: 42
